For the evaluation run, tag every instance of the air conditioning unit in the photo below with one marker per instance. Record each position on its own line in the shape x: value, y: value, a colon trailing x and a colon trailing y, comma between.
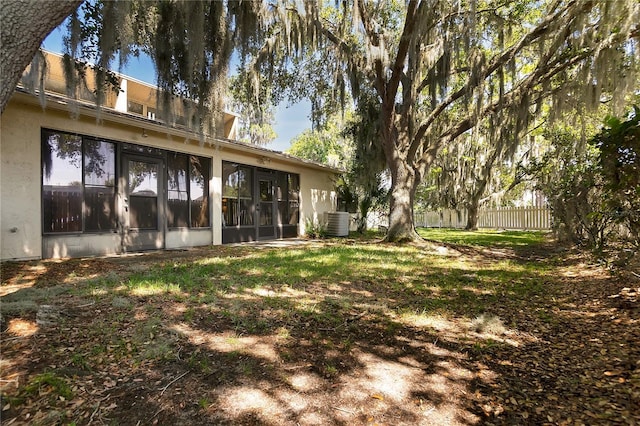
x: 338, y: 223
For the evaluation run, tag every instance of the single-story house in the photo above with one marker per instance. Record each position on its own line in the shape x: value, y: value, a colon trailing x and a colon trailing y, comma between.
x: 76, y: 180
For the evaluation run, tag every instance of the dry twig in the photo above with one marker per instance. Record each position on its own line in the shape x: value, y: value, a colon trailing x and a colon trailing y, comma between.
x: 173, y: 381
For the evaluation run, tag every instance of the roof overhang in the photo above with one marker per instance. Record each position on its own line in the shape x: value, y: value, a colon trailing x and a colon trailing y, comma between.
x: 62, y: 103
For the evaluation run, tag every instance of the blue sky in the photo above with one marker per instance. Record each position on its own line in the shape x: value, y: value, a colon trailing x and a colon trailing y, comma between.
x: 290, y: 120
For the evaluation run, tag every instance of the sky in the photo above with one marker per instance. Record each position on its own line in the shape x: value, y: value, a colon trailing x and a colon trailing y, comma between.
x: 290, y: 121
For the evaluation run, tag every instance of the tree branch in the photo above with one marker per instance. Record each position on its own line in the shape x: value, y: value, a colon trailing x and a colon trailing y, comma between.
x: 372, y: 36
x: 500, y: 60
x: 373, y: 39
x: 515, y: 95
x: 403, y: 48
x: 354, y: 59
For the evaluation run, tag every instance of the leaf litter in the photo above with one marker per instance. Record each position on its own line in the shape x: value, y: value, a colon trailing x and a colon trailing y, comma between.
x: 313, y: 351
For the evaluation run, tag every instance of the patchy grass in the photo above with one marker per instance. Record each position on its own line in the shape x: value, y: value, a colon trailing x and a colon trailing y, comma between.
x: 343, y: 331
x: 48, y: 383
x: 485, y: 237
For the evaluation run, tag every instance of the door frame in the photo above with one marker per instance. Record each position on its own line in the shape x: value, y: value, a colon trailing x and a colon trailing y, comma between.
x: 265, y: 232
x: 135, y: 239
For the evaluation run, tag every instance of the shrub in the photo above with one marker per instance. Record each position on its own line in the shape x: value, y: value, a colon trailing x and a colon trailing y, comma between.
x: 618, y: 147
x: 594, y: 189
x: 315, y: 229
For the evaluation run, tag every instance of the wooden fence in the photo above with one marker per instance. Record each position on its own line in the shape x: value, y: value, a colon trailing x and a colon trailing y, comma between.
x: 502, y: 218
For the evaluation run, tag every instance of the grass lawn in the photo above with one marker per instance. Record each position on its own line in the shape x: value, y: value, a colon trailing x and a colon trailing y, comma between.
x: 469, y: 328
x: 485, y: 237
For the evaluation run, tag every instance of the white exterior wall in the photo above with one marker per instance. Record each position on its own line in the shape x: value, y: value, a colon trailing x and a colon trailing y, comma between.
x: 20, y: 177
x: 20, y: 183
x: 317, y: 199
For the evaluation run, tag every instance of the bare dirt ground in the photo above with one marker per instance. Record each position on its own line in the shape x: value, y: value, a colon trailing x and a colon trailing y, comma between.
x: 569, y: 356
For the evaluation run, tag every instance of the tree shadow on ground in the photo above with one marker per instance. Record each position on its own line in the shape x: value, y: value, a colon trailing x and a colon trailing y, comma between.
x: 328, y: 335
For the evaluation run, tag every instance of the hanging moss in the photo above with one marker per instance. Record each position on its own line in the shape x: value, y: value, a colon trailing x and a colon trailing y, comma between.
x: 189, y: 42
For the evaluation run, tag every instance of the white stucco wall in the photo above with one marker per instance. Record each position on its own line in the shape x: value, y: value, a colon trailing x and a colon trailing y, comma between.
x: 20, y: 203
x: 20, y: 176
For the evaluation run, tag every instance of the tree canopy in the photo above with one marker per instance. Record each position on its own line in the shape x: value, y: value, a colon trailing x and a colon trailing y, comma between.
x: 437, y: 71
x: 190, y: 43
x: 443, y: 70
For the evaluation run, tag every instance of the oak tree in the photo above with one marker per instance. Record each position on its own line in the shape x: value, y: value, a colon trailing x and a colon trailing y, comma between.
x: 442, y: 70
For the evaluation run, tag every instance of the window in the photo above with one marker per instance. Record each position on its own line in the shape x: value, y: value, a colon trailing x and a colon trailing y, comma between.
x: 239, y: 201
x: 188, y: 191
x: 199, y: 191
x: 245, y: 195
x: 229, y: 195
x: 237, y: 198
x: 61, y: 182
x: 99, y: 185
x: 281, y: 194
x: 134, y: 107
x: 78, y: 183
x: 177, y: 196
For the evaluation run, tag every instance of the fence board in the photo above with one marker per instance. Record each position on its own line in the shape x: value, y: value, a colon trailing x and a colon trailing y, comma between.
x: 525, y: 218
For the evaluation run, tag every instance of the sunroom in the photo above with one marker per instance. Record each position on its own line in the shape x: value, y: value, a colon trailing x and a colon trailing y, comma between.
x: 81, y: 181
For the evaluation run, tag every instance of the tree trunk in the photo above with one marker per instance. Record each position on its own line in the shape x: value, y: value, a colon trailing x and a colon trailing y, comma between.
x: 473, y: 206
x: 403, y: 190
x: 365, y: 206
x: 472, y: 214
x: 24, y: 24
